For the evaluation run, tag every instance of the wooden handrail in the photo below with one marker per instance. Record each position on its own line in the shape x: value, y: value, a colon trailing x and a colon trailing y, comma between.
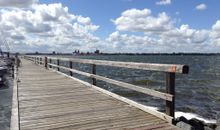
x: 169, y: 69
x: 172, y: 68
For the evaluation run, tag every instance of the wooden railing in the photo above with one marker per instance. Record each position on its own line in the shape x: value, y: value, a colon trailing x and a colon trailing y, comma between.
x: 169, y: 69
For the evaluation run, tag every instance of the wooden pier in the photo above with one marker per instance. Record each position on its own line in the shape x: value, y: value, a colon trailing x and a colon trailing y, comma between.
x: 44, y: 98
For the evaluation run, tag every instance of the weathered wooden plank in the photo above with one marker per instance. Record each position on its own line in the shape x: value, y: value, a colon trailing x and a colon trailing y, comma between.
x: 66, y: 104
x: 89, y: 115
x: 96, y: 120
x: 64, y: 108
x: 147, y: 126
x: 120, y: 122
x: 75, y: 98
x: 60, y: 102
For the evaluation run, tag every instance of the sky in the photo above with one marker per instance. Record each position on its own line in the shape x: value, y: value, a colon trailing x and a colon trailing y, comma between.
x: 127, y: 26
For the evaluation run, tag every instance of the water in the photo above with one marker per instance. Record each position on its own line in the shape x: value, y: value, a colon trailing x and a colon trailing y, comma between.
x: 5, y: 104
x: 197, y: 92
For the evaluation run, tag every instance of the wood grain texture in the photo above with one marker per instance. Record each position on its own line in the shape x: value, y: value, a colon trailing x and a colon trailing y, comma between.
x: 48, y: 100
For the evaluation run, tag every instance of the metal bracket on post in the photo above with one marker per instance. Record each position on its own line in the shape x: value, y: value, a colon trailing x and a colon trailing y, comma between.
x: 170, y: 89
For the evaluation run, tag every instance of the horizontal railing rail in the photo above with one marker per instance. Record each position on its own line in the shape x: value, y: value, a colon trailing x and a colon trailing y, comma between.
x: 169, y: 69
x: 173, y: 68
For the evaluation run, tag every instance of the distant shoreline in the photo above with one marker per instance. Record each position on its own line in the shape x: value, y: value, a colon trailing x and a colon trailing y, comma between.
x: 87, y: 54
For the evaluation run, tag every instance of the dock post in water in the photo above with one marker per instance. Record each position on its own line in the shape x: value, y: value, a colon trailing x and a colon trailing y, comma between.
x: 94, y: 72
x: 170, y: 89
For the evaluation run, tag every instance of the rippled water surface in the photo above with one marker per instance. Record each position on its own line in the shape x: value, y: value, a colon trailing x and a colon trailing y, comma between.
x: 5, y: 104
x: 197, y: 92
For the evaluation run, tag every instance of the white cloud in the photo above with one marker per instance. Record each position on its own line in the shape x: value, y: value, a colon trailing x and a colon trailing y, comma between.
x: 215, y: 33
x: 17, y: 3
x: 216, y: 26
x: 50, y: 26
x: 143, y: 32
x: 142, y: 20
x: 185, y: 35
x: 201, y: 7
x: 163, y: 2
x: 84, y: 20
x: 130, y: 43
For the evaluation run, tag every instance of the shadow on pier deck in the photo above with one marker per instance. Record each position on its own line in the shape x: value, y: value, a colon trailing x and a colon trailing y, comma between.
x: 46, y: 100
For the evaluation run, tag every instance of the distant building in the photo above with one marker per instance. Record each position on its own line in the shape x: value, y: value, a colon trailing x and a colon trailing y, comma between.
x: 97, y: 52
x: 76, y: 52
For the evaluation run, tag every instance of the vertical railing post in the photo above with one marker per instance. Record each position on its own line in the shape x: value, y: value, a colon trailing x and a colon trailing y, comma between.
x: 93, y: 72
x: 45, y: 62
x: 170, y: 89
x: 50, y: 63
x: 58, y: 63
x: 41, y: 61
x: 71, y: 66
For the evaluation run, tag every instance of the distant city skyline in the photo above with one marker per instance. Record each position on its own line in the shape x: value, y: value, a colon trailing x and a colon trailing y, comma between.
x: 111, y: 26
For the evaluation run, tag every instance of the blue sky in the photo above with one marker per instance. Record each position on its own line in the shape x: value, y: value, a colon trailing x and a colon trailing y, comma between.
x: 101, y: 11
x: 113, y: 25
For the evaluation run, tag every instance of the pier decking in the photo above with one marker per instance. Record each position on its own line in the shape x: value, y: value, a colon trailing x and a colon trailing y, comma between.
x: 49, y: 100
